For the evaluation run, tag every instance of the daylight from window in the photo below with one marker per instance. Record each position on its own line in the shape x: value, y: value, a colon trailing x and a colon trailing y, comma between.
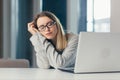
x: 98, y: 16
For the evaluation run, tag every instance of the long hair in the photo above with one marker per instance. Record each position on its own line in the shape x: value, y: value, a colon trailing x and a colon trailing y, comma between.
x: 61, y: 39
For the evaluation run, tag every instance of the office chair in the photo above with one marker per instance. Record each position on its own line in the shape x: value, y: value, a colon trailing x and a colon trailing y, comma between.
x: 14, y: 63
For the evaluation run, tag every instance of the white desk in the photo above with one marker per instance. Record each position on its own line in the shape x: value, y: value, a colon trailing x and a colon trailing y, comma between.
x: 51, y: 74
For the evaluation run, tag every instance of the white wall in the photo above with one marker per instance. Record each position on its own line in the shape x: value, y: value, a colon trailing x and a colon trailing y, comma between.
x: 115, y: 16
x: 6, y: 29
x: 37, y: 6
x: 72, y: 15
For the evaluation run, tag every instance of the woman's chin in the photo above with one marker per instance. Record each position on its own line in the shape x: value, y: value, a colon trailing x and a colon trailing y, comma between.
x: 49, y: 37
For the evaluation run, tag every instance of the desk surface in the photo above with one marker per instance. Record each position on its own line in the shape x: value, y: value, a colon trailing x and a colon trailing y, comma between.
x: 51, y: 74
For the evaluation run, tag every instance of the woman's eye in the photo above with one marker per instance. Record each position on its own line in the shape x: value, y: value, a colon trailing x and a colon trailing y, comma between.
x: 41, y: 27
x: 49, y: 24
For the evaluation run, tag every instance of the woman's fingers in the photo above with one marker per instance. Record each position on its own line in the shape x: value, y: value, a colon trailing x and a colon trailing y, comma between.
x: 31, y: 24
x: 31, y: 28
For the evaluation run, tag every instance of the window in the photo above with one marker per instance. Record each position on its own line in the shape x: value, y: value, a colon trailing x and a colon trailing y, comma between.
x: 98, y: 15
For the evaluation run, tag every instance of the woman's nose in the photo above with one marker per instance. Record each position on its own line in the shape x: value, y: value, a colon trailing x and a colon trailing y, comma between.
x: 47, y: 28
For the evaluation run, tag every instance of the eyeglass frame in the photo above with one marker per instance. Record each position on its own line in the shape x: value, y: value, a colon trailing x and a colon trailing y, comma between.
x: 50, y: 24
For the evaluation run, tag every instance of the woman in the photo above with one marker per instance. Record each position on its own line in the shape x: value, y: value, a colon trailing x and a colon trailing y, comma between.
x: 53, y: 47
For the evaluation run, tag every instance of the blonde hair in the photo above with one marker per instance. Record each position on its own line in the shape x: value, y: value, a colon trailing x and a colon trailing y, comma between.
x: 61, y: 39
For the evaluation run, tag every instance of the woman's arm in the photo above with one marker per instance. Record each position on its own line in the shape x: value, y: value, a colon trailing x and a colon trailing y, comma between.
x: 41, y: 58
x: 67, y: 58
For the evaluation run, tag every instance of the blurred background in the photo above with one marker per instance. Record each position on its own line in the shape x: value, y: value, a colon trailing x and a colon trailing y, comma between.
x: 75, y: 16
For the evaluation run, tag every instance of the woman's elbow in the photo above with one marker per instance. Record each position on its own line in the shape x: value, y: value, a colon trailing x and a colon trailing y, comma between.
x: 43, y: 66
x: 59, y: 65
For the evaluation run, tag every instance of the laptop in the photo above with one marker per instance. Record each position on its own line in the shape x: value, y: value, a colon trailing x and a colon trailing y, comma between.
x: 97, y: 52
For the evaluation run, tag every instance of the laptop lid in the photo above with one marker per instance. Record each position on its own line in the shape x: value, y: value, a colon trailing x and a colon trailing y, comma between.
x: 98, y: 52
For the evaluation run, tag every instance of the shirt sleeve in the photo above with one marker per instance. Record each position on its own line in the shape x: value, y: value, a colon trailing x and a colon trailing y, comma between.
x: 67, y: 58
x: 41, y: 58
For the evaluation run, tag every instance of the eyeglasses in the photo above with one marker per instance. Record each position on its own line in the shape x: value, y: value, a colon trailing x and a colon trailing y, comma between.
x: 48, y: 25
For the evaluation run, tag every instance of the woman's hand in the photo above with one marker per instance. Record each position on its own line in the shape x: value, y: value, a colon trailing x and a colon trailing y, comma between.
x: 31, y: 28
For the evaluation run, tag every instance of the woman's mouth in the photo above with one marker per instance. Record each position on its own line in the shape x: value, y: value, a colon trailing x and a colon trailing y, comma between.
x: 48, y: 33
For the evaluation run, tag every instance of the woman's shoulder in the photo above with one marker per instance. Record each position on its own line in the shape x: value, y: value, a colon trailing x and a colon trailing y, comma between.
x: 71, y: 36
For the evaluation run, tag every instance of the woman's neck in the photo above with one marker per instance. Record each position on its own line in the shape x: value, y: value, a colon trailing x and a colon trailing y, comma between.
x: 54, y: 41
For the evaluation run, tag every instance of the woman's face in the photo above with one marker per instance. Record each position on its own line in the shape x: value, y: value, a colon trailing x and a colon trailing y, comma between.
x: 47, y: 27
